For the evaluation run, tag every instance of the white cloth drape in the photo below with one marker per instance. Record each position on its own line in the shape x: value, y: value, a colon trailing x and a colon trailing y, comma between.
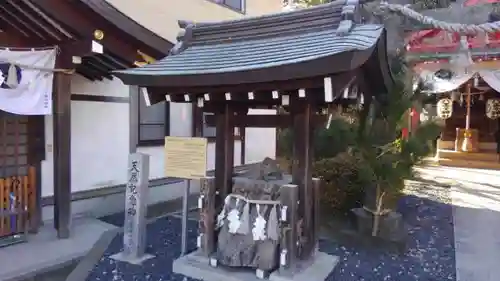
x: 436, y: 85
x: 492, y: 78
x: 33, y: 94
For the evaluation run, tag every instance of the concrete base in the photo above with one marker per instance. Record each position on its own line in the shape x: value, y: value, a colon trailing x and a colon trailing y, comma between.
x: 44, y: 252
x: 196, y: 266
x: 133, y: 260
x: 319, y: 269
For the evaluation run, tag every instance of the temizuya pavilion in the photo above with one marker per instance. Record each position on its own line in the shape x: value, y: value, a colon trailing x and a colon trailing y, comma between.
x: 302, y: 59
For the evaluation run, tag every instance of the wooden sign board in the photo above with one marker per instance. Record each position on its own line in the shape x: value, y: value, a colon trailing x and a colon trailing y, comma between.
x: 185, y: 157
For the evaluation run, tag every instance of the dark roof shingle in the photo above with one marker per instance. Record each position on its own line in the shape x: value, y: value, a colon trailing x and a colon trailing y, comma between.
x: 269, y: 52
x: 253, y: 50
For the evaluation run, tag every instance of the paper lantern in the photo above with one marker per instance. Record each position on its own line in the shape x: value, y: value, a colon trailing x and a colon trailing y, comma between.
x: 445, y: 108
x: 493, y: 108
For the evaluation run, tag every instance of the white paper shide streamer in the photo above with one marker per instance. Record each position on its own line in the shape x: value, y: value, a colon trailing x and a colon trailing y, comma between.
x: 234, y: 218
x: 259, y: 229
x: 222, y: 215
x: 238, y: 222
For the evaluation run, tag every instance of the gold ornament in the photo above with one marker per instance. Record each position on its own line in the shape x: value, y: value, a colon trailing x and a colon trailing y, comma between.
x: 98, y: 34
x: 445, y: 108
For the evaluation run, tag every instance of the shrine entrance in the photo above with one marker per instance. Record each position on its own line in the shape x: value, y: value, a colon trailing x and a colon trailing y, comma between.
x: 470, y: 116
x: 17, y: 179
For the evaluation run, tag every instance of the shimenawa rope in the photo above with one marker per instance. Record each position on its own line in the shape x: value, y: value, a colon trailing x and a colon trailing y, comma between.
x: 489, y: 27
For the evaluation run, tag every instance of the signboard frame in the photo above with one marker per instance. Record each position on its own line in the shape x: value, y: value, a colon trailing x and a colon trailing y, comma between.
x: 185, y: 158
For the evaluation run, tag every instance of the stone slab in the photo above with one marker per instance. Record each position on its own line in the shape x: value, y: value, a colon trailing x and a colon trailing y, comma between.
x: 196, y: 266
x: 133, y: 260
x: 43, y: 252
x: 319, y: 269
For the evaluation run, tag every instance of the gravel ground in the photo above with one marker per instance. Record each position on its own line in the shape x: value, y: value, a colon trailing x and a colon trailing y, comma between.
x: 430, y: 255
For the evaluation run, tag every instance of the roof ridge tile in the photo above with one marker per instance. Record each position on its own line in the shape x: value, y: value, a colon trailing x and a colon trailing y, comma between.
x: 252, y: 28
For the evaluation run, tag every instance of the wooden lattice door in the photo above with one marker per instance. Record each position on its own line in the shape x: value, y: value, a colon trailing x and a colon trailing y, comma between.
x: 17, y: 177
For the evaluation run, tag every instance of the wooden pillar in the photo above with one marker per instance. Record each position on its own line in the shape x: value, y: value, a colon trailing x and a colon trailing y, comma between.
x: 243, y: 144
x: 467, y: 144
x: 289, y: 217
x: 316, y: 213
x: 242, y: 128
x: 61, y: 103
x: 36, y: 154
x: 197, y: 121
x: 206, y: 224
x: 302, y: 115
x: 133, y: 106
x: 468, y: 106
x: 224, y: 150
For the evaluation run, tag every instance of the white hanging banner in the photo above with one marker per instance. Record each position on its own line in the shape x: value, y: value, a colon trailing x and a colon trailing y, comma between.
x: 28, y: 90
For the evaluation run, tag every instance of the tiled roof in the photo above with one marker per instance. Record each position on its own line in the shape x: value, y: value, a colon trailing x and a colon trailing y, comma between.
x: 268, y: 52
x: 317, y: 41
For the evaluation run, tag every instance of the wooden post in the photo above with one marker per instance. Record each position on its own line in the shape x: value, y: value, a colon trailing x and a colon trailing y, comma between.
x: 317, y: 212
x: 467, y: 138
x: 467, y: 116
x: 133, y: 112
x: 289, y: 195
x: 242, y: 129
x: 224, y: 151
x: 302, y: 171
x: 206, y: 204
x: 61, y: 103
x: 36, y: 154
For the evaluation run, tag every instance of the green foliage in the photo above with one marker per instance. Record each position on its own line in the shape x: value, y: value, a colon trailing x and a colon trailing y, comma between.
x: 328, y: 142
x: 343, y: 180
x: 350, y: 159
x: 391, y: 158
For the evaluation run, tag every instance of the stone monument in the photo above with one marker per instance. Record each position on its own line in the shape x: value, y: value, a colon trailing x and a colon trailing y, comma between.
x: 136, y: 196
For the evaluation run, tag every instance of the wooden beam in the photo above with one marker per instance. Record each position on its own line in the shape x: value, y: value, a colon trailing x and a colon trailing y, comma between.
x: 32, y: 22
x: 317, y: 82
x: 13, y: 38
x: 84, y: 24
x: 18, y: 23
x: 155, y: 44
x: 265, y: 121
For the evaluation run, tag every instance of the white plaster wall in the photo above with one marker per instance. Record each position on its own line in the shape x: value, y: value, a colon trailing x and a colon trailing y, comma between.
x: 260, y: 142
x: 161, y: 16
x: 100, y: 147
x: 99, y: 138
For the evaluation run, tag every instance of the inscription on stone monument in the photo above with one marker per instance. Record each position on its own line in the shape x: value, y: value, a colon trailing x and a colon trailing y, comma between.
x: 136, y: 195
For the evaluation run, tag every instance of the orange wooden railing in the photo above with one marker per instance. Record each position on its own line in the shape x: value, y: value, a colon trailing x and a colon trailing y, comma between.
x: 15, y: 215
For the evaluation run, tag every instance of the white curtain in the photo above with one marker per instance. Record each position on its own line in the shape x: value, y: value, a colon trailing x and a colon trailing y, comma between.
x: 33, y: 93
x: 435, y: 85
x: 492, y: 78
